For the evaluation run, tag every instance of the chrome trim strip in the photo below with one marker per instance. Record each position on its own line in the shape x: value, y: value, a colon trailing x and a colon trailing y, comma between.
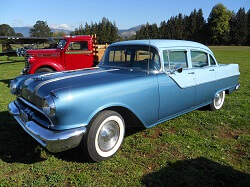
x: 67, y: 77
x: 78, y: 52
x: 54, y: 141
x: 200, y: 83
x: 13, y: 109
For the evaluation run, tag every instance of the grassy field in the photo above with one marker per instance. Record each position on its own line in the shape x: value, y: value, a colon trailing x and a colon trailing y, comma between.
x: 201, y: 148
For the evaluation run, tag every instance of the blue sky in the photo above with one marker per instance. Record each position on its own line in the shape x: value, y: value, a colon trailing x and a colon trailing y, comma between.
x: 69, y: 14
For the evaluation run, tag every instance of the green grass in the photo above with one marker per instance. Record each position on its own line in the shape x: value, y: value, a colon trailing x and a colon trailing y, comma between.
x: 201, y: 148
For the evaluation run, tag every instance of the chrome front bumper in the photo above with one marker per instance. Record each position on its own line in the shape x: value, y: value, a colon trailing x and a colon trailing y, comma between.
x: 54, y: 141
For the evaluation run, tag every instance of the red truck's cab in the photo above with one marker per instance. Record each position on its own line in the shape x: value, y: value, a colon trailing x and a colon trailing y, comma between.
x: 72, y: 52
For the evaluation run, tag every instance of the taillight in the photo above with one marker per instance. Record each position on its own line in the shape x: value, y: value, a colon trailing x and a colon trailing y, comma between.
x: 31, y: 59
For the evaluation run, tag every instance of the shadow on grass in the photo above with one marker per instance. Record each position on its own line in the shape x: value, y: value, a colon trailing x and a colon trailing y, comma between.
x: 15, y: 144
x: 6, y: 81
x: 78, y: 155
x: 18, y: 146
x: 196, y: 172
x: 10, y: 61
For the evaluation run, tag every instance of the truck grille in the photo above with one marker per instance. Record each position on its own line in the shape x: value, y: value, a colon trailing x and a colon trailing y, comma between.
x: 27, y: 65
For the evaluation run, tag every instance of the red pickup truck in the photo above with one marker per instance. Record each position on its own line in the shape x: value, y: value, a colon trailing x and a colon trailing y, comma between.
x: 72, y: 52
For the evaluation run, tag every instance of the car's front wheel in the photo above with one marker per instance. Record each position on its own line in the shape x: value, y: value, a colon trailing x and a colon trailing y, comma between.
x: 218, y: 101
x: 105, y: 135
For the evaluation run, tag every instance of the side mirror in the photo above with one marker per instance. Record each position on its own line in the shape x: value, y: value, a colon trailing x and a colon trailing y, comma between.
x: 176, y: 68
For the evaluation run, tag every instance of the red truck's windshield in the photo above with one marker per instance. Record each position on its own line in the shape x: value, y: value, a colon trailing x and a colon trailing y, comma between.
x: 61, y: 44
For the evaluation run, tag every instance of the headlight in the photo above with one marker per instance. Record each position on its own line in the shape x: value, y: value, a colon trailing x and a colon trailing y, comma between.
x: 49, y: 107
x: 13, y: 87
x: 31, y: 59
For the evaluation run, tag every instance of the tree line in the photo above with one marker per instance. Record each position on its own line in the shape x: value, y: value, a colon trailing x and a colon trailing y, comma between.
x: 223, y: 27
x: 106, y: 31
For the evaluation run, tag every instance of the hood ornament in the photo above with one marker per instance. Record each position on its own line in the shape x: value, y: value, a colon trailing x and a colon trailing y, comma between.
x: 37, y: 78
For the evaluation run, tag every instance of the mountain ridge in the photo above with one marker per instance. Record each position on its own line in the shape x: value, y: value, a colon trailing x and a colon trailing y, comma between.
x: 122, y: 32
x: 25, y: 30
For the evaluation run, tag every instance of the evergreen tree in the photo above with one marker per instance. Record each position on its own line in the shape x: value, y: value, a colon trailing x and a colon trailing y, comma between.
x: 162, y: 30
x: 106, y: 31
x: 41, y: 29
x: 248, y: 28
x: 143, y: 33
x: 153, y: 31
x: 200, y: 33
x: 238, y: 30
x: 87, y: 29
x: 114, y: 33
x: 94, y: 28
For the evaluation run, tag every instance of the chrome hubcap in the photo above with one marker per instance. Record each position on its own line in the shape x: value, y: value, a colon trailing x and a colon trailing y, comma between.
x: 218, y: 98
x: 108, y: 135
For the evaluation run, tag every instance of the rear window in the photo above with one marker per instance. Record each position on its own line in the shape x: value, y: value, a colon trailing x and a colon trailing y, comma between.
x: 199, y: 59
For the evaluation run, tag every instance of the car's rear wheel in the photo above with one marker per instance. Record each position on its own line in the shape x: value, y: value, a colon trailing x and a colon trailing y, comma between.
x: 42, y: 70
x: 218, y: 101
x: 105, y: 136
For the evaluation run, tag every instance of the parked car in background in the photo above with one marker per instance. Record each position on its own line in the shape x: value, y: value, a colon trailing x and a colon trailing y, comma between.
x: 71, y: 52
x: 137, y: 82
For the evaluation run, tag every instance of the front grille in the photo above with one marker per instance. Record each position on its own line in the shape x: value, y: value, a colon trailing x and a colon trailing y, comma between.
x: 33, y: 113
x: 27, y: 65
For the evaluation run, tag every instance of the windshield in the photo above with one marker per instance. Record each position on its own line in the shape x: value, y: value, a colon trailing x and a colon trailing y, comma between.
x: 61, y: 44
x: 142, y: 57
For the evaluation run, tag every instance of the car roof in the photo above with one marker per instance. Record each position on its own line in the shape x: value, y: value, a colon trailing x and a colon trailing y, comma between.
x: 162, y: 43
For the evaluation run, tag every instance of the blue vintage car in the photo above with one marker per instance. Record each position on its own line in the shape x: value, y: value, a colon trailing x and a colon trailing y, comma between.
x: 137, y: 82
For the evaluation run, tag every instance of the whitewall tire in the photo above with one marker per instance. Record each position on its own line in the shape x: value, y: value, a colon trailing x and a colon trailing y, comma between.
x: 218, y: 101
x: 105, y: 135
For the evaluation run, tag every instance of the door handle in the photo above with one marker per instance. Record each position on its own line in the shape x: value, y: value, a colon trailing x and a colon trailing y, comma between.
x: 191, y: 73
x: 211, y: 70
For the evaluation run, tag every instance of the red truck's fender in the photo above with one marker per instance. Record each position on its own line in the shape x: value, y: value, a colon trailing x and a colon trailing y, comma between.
x: 48, y: 64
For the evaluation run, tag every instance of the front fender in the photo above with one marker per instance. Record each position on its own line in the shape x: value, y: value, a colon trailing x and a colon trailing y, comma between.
x: 110, y: 105
x: 76, y: 106
x: 51, y: 64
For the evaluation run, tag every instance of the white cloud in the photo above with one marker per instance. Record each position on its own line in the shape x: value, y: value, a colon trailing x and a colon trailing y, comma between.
x: 60, y: 26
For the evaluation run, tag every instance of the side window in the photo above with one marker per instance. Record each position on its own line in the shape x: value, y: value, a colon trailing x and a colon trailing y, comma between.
x: 175, y: 58
x: 212, y: 61
x: 199, y: 59
x: 82, y: 45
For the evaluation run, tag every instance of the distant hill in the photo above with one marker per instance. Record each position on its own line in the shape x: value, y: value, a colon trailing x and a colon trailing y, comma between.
x: 25, y: 30
x: 122, y: 32
x: 129, y: 32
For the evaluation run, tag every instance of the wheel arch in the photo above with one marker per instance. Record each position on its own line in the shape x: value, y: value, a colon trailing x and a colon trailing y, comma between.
x: 48, y: 64
x: 129, y: 117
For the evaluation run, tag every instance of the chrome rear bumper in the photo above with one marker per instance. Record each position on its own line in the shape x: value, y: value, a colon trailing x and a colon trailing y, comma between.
x: 237, y: 87
x: 54, y: 141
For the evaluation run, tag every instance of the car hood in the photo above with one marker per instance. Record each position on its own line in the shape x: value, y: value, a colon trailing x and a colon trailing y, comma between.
x: 37, y: 87
x: 43, y: 51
